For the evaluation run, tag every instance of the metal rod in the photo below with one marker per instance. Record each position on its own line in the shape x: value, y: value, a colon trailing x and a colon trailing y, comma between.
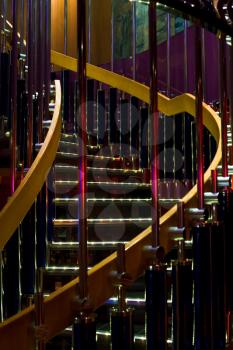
x: 47, y: 55
x: 89, y: 30
x: 154, y: 114
x: 231, y: 98
x: 214, y: 180
x: 168, y: 54
x: 199, y: 118
x: 40, y: 69
x: 39, y: 311
x: 82, y: 227
x: 14, y: 96
x: 4, y: 26
x: 203, y: 63
x: 112, y: 34
x: 30, y: 81
x: 223, y: 102
x: 185, y: 55
x: 121, y: 267
x: 22, y: 27
x: 180, y: 212
x: 134, y: 38
x: 65, y: 27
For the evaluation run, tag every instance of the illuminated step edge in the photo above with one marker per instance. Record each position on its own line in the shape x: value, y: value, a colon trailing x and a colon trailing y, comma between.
x: 99, y: 169
x: 90, y: 244
x: 128, y: 201
x: 62, y: 269
x: 68, y: 143
x: 109, y: 183
x: 76, y: 155
x: 75, y: 200
x: 71, y: 222
x: 72, y: 143
x: 107, y: 334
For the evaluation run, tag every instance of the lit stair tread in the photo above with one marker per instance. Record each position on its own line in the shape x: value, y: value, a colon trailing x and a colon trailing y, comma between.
x: 101, y: 169
x: 107, y: 184
x: 125, y: 201
x: 109, y: 221
x: 62, y: 270
x: 91, y: 156
x: 62, y: 201
x: 96, y: 245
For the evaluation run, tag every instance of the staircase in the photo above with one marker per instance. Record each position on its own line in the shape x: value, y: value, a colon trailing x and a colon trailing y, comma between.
x: 119, y: 208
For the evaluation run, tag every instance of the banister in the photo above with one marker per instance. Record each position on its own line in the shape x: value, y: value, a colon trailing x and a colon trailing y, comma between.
x: 24, y: 196
x: 60, y: 309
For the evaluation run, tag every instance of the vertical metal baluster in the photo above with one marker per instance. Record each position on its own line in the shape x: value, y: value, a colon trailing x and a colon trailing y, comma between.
x: 81, y: 115
x: 101, y: 117
x: 122, y: 333
x: 184, y: 119
x: 155, y: 276
x: 14, y: 97
x: 199, y: 120
x: 226, y: 195
x: 124, y: 122
x: 223, y: 103
x: 203, y: 64
x: 65, y: 27
x: 47, y: 56
x: 65, y: 73
x: 154, y: 122
x: 185, y: 55
x: 134, y: 127
x: 89, y: 30
x: 3, y: 35
x: 168, y: 54
x: 21, y: 56
x: 231, y: 99
x: 168, y: 69
x: 40, y: 69
x: 209, y: 332
x: 182, y: 300
x: 134, y: 38
x: 193, y: 152
x: 84, y: 328
x: 40, y: 330
x: 30, y: 81
x: 113, y: 41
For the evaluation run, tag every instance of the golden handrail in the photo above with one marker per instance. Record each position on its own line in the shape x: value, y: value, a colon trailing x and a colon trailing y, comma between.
x: 60, y: 308
x: 22, y: 199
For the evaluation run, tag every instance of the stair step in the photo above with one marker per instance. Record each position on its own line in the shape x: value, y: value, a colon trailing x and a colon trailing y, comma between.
x: 103, y: 201
x: 73, y: 222
x: 96, y: 245
x: 62, y: 270
x: 116, y: 171
x: 109, y: 184
x: 92, y: 160
x: 68, y: 172
x: 70, y: 188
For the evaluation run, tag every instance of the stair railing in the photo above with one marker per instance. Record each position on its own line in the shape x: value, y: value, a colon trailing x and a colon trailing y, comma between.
x: 60, y: 302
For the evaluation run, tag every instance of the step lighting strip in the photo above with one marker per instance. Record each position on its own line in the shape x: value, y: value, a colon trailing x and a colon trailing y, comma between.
x: 70, y: 221
x: 74, y: 182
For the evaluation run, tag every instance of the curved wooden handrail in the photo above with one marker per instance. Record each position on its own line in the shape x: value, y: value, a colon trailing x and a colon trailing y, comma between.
x: 60, y: 306
x: 24, y: 196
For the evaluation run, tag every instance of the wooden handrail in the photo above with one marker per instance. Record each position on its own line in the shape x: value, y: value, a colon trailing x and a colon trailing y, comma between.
x: 60, y: 306
x: 22, y: 199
